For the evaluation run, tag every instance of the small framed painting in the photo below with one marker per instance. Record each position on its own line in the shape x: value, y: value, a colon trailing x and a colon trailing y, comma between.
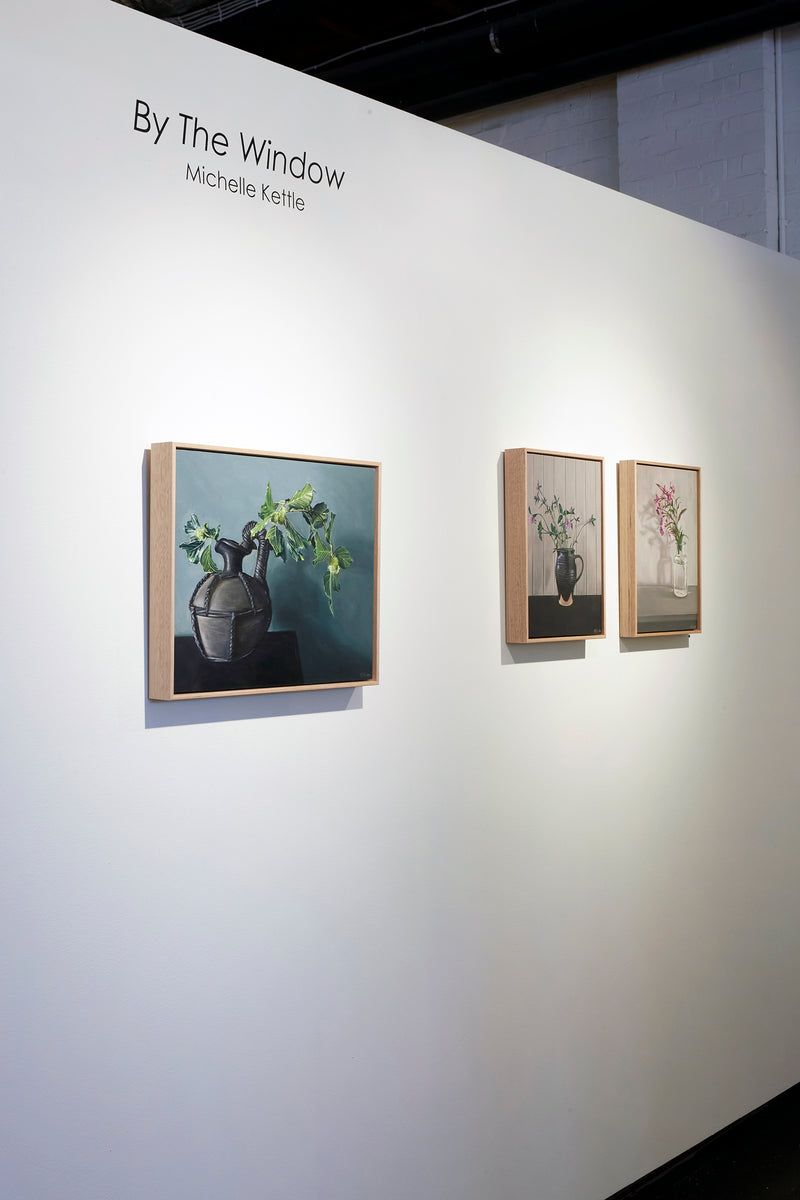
x: 554, y: 537
x: 659, y: 549
x: 263, y: 572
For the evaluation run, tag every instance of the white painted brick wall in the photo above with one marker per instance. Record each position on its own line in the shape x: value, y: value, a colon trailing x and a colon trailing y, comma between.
x: 574, y: 129
x: 714, y: 136
x: 789, y: 125
x: 693, y: 135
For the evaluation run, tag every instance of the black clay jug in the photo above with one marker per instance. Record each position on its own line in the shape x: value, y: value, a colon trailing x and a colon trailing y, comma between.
x: 567, y: 575
x: 231, y: 611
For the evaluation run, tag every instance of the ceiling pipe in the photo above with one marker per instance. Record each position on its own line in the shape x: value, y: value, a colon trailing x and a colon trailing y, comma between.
x: 202, y: 15
x: 193, y: 14
x: 441, y: 72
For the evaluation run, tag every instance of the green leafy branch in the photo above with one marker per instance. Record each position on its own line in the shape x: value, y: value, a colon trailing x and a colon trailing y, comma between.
x: 562, y: 525
x: 283, y: 536
x: 198, y: 548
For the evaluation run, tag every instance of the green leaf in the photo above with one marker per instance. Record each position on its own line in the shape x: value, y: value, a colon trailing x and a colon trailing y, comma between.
x: 321, y: 551
x: 344, y: 556
x: 198, y: 548
x: 303, y: 498
x: 330, y: 584
x: 315, y: 516
x: 275, y: 539
x: 295, y: 542
x: 269, y: 505
x: 328, y: 588
x: 207, y: 561
x: 193, y: 551
x: 199, y: 531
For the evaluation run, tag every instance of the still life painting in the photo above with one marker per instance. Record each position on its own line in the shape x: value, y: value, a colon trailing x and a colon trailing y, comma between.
x: 659, y: 548
x: 263, y: 572
x: 554, y: 546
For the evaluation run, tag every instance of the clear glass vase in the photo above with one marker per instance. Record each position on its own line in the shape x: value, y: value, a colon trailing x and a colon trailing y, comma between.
x: 680, y: 586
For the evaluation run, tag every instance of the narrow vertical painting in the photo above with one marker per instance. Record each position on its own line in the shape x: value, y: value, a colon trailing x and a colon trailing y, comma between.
x: 263, y: 572
x: 659, y: 549
x: 554, y: 546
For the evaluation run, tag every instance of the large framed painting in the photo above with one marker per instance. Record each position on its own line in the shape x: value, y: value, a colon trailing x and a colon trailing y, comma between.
x: 659, y: 549
x: 554, y: 537
x: 263, y: 572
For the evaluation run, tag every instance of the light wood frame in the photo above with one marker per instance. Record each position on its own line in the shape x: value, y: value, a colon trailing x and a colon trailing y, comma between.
x: 534, y: 612
x: 341, y: 654
x: 648, y: 606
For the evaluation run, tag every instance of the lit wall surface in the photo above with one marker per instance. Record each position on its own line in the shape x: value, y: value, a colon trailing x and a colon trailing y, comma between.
x: 516, y: 922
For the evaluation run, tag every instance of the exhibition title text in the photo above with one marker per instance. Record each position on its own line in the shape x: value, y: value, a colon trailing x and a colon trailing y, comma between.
x: 200, y: 138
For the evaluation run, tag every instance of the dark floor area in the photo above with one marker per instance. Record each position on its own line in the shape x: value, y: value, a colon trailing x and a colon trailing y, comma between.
x: 756, y: 1158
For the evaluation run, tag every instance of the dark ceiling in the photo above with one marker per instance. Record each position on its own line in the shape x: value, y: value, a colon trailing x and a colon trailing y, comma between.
x: 438, y: 58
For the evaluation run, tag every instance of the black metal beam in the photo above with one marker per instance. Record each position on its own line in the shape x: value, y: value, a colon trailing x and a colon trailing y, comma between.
x: 478, y: 63
x: 439, y: 58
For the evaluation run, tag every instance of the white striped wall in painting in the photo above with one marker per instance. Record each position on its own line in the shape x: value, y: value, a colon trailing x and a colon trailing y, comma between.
x: 576, y: 481
x: 654, y: 552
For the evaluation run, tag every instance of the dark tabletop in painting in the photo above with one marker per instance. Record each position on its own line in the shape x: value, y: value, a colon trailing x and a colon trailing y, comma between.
x: 548, y: 619
x: 274, y: 663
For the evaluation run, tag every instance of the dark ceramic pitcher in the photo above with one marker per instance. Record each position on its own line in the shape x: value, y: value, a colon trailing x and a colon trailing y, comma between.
x: 231, y: 611
x: 567, y: 575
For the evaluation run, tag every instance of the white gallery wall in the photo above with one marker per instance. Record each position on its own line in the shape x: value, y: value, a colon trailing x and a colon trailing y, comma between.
x: 519, y: 921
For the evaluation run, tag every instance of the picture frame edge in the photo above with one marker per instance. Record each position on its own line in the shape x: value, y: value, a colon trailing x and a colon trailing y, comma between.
x: 161, y: 500
x: 516, y: 618
x: 630, y: 629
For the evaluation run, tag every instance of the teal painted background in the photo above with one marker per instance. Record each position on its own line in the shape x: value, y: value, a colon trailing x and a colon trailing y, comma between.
x: 227, y: 490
